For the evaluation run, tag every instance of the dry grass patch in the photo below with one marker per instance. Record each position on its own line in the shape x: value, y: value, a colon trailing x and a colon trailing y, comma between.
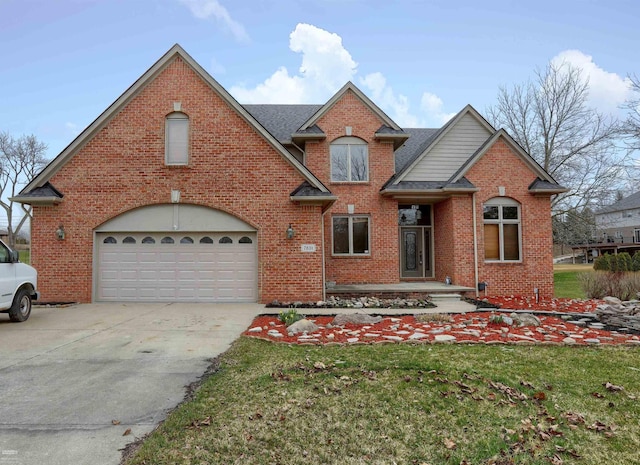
x: 411, y: 404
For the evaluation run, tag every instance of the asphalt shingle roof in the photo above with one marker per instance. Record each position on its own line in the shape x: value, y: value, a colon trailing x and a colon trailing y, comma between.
x: 628, y: 203
x: 282, y: 120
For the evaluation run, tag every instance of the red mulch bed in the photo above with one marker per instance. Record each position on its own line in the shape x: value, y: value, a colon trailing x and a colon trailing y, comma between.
x: 474, y: 327
x: 550, y: 305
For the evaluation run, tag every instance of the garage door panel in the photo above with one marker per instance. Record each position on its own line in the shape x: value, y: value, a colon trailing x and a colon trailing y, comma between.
x: 178, y: 271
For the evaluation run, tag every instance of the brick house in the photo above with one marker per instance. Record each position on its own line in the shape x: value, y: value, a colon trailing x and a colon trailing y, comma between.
x: 177, y: 192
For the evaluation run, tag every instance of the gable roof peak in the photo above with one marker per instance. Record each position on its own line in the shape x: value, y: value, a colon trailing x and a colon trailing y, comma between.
x: 102, y: 120
x: 350, y: 86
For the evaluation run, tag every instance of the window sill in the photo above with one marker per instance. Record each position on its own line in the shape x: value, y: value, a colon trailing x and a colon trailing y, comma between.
x: 361, y: 183
x: 503, y: 262
x: 351, y: 256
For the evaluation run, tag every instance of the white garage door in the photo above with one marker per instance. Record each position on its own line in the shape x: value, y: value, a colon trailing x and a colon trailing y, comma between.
x: 177, y: 267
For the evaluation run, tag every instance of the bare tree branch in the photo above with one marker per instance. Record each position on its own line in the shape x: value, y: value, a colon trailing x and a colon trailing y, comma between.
x: 20, y: 160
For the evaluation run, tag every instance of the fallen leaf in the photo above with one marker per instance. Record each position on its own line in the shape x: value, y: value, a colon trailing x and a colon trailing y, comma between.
x: 527, y: 384
x: 597, y: 395
x: 540, y: 396
x: 556, y: 460
x: 127, y: 432
x: 449, y: 444
x: 319, y: 366
x: 612, y: 387
x: 115, y: 422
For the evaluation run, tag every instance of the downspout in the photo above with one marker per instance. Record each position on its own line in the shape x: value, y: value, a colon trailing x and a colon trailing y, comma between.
x: 475, y: 243
x: 324, y: 271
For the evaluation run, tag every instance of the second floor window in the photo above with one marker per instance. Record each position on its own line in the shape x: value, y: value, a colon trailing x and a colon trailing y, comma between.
x: 177, y: 139
x: 349, y: 160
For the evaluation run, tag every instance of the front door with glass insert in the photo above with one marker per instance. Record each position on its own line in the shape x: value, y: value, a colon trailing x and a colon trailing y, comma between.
x: 415, y: 241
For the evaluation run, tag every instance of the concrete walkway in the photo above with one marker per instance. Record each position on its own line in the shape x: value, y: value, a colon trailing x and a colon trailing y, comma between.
x: 67, y: 374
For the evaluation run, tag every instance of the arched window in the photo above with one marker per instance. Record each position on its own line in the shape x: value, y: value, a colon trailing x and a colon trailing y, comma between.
x: 349, y: 160
x: 502, y: 236
x: 167, y: 240
x: 245, y: 240
x: 186, y: 240
x: 225, y: 240
x: 177, y: 139
x: 148, y: 240
x: 128, y: 240
x: 206, y: 240
x: 110, y: 240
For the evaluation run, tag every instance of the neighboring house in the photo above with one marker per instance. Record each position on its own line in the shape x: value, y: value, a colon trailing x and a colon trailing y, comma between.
x: 620, y: 222
x: 179, y: 193
x: 4, y: 235
x: 617, y: 229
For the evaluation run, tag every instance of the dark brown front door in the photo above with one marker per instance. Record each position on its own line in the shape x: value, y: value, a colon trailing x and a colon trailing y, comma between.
x: 415, y: 250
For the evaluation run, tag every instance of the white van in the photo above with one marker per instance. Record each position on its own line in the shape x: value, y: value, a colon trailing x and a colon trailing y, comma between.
x: 18, y: 285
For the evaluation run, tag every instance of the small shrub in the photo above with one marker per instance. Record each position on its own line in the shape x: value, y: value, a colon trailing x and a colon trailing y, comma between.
x: 289, y: 317
x: 624, y: 262
x: 602, y: 263
x: 599, y: 284
x: 635, y: 261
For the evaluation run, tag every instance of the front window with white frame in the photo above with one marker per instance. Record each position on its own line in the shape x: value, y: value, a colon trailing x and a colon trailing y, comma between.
x: 349, y: 160
x: 350, y: 235
x: 177, y: 139
x: 502, y: 234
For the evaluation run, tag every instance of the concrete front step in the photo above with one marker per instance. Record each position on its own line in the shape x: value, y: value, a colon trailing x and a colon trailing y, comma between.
x: 442, y: 297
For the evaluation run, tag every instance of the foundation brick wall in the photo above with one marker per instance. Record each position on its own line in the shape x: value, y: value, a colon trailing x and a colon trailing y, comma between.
x: 231, y: 168
x: 382, y: 266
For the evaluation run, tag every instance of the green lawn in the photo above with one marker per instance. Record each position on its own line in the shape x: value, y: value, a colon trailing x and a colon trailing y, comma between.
x: 25, y: 256
x: 407, y: 404
x: 566, y: 280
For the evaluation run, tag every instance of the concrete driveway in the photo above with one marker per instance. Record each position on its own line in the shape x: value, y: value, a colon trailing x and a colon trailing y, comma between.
x: 67, y: 374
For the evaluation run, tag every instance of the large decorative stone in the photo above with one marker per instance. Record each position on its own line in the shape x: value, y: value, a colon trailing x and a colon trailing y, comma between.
x: 302, y: 326
x: 355, y: 319
x: 525, y: 319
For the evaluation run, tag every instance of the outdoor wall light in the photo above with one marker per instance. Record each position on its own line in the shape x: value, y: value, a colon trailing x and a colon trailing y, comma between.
x: 60, y: 232
x: 290, y: 232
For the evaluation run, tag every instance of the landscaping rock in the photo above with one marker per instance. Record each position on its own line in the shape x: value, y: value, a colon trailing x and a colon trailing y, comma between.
x: 255, y: 329
x: 619, y: 314
x: 444, y: 338
x: 302, y: 326
x: 525, y: 319
x: 355, y: 319
x: 275, y: 333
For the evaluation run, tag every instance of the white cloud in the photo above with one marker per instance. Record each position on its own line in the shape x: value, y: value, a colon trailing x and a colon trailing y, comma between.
x: 607, y: 91
x: 326, y: 66
x: 433, y: 106
x: 73, y: 128
x: 205, y: 9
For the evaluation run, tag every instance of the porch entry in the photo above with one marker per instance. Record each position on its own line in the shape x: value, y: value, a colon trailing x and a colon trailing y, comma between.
x: 416, y: 241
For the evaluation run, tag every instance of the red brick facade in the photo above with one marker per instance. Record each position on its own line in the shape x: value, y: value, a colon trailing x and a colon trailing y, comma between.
x: 233, y: 168
x: 123, y: 167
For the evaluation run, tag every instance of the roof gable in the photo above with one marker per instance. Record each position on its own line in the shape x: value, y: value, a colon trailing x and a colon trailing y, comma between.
x: 448, y: 149
x: 515, y: 147
x: 176, y: 51
x: 349, y: 87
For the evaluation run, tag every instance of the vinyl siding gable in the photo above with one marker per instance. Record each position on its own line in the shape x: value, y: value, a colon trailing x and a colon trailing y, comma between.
x: 451, y: 152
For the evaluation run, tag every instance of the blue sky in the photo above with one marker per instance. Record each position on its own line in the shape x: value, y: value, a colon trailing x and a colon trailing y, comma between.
x: 64, y: 61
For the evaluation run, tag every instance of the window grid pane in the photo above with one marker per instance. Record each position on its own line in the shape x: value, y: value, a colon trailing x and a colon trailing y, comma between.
x: 177, y: 141
x: 339, y: 163
x: 341, y: 235
x: 492, y: 242
x: 360, y: 234
x: 511, y: 242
